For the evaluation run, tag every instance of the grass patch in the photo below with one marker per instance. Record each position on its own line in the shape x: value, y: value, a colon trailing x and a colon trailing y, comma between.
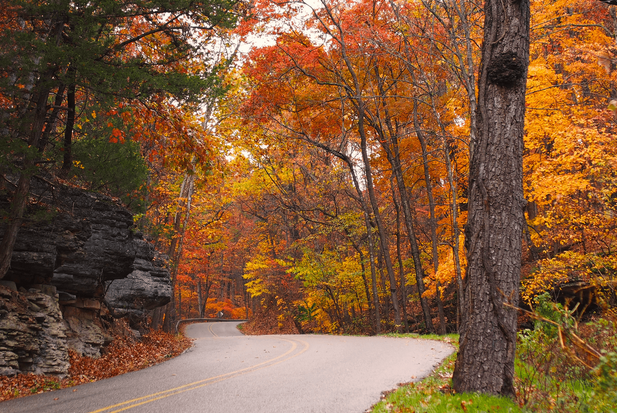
x: 447, y: 338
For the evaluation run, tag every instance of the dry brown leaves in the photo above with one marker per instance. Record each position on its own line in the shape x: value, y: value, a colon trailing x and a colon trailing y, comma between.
x: 268, y: 325
x: 121, y: 356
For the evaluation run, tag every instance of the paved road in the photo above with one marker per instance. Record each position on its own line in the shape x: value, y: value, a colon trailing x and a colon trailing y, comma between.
x: 226, y: 372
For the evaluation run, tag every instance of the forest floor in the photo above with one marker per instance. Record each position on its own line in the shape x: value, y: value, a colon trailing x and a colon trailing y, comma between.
x: 258, y: 326
x: 123, y: 355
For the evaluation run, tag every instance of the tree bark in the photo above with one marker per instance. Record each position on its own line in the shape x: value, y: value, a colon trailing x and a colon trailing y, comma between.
x: 485, y: 361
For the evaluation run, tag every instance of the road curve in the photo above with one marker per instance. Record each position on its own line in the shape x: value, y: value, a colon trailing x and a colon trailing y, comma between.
x: 227, y: 372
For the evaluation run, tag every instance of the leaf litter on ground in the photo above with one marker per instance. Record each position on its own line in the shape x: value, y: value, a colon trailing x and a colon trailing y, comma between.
x: 123, y: 355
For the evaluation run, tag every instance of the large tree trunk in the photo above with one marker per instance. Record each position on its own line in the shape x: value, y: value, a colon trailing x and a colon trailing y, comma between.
x: 485, y: 360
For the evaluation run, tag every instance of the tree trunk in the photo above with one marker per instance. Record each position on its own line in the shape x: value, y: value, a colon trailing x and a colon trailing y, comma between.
x: 392, y: 150
x: 200, y: 307
x: 50, y: 126
x: 179, y: 302
x: 175, y: 249
x: 485, y: 361
x: 204, y: 300
x: 383, y: 235
x: 455, y: 232
x: 20, y: 196
x: 68, y: 132
x: 399, y: 253
x: 365, y: 283
x: 395, y: 161
x: 432, y: 219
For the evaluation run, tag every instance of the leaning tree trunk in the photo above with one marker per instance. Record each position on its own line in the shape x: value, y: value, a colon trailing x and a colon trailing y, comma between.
x: 485, y: 360
x: 20, y: 195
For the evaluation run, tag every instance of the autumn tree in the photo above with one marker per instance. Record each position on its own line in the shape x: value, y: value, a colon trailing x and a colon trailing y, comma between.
x: 485, y: 361
x: 116, y: 50
x: 569, y: 149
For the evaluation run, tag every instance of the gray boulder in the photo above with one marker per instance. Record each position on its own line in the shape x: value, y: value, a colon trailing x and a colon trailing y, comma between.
x: 147, y: 287
x: 79, y: 241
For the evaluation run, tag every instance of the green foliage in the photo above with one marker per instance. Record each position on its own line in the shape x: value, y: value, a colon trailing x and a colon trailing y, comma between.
x: 117, y: 169
x: 306, y: 313
x: 550, y: 311
x: 103, y: 44
x: 563, y: 366
x: 604, y: 392
x: 549, y: 377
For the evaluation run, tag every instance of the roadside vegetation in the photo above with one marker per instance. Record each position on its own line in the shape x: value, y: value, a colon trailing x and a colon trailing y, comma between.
x: 562, y: 365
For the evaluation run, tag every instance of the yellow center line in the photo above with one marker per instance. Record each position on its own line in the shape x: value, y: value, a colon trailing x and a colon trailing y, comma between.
x: 210, y: 329
x: 206, y: 382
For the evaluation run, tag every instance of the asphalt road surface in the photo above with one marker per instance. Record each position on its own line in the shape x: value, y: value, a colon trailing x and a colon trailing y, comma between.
x: 226, y: 372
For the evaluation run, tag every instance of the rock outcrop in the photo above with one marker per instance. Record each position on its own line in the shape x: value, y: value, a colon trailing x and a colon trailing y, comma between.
x: 144, y: 289
x: 76, y: 242
x: 32, y: 333
x: 76, y: 263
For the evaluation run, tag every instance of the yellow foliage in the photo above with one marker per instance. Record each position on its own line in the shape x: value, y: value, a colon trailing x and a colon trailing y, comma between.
x: 567, y: 267
x: 446, y: 273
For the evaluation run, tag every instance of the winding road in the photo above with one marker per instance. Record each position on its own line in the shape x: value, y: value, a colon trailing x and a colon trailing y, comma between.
x: 227, y: 372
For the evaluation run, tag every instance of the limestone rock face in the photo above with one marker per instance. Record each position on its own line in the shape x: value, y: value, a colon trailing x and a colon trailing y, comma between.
x: 85, y: 331
x: 85, y: 241
x: 76, y: 263
x: 32, y: 333
x: 147, y: 287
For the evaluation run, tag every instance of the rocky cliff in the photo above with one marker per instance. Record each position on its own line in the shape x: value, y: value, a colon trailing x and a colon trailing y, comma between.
x: 77, y: 264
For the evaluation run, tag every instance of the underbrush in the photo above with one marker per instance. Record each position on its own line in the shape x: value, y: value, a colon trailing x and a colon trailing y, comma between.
x: 123, y: 355
x: 566, y: 366
x: 561, y: 366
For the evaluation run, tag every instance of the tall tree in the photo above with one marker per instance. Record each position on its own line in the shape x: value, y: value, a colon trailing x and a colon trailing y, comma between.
x: 485, y: 361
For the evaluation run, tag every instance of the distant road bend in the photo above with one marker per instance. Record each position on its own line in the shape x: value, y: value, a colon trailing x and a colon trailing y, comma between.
x: 227, y: 372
